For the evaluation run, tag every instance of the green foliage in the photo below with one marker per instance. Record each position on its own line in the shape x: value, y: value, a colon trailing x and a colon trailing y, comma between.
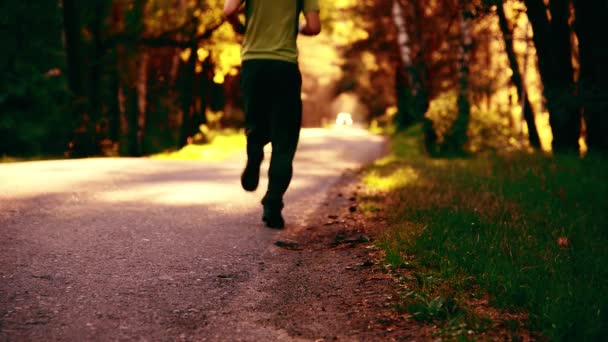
x: 34, y: 99
x: 212, y: 146
x: 530, y: 229
x: 487, y: 130
x: 428, y: 309
x: 32, y: 120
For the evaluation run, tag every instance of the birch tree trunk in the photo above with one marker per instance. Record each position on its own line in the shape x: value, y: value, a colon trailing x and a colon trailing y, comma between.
x: 516, y: 77
x: 403, y: 38
x: 456, y: 139
x: 404, y: 84
x: 412, y: 97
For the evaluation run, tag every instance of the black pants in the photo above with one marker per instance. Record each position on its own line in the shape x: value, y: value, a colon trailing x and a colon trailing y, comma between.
x: 273, y: 114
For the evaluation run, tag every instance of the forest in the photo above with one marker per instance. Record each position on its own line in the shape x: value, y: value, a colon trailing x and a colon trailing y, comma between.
x: 136, y: 77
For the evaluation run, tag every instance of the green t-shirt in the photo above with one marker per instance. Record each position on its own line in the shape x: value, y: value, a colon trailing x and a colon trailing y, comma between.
x: 272, y: 28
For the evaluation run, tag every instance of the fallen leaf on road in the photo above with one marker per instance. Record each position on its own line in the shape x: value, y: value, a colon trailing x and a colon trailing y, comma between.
x: 563, y: 242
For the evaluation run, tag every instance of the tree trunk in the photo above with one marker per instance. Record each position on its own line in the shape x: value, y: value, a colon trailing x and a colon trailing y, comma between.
x: 516, y: 76
x: 114, y: 111
x: 83, y: 141
x: 406, y: 115
x: 142, y: 99
x: 132, y: 120
x: 129, y: 59
x: 457, y: 138
x: 128, y: 102
x: 420, y: 70
x: 188, y: 96
x: 73, y: 40
x: 206, y: 78
x: 593, y: 82
x: 96, y: 70
x: 554, y: 51
x: 114, y: 106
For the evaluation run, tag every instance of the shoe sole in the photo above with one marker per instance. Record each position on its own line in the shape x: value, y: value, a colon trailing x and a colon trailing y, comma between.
x: 250, y: 184
x: 273, y: 225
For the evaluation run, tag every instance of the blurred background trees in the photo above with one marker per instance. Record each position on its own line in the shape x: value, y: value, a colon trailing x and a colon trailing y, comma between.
x: 135, y: 77
x: 534, y: 46
x: 105, y: 77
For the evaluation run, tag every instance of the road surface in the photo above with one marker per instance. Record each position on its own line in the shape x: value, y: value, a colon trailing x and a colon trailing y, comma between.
x: 141, y: 249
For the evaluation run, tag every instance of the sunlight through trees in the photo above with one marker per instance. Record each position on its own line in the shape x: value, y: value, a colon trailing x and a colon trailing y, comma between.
x: 134, y: 77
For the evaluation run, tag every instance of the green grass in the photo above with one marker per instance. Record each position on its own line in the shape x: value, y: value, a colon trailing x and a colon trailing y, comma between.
x: 498, y: 218
x: 223, y: 145
x: 12, y: 159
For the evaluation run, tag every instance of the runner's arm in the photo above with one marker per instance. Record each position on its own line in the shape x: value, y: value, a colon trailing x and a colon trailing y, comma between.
x: 231, y: 13
x: 312, y: 26
x: 231, y: 8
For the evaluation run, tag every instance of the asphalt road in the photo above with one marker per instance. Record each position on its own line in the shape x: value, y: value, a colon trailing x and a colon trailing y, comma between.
x: 141, y: 249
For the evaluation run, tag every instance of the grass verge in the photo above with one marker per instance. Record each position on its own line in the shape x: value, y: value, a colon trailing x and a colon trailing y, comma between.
x: 222, y: 145
x: 530, y: 230
x: 12, y: 159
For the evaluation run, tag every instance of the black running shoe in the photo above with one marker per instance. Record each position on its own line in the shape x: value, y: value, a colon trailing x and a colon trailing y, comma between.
x: 272, y: 217
x: 250, y: 177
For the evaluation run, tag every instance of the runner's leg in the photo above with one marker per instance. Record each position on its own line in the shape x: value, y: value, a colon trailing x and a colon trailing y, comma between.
x: 257, y: 104
x: 286, y: 120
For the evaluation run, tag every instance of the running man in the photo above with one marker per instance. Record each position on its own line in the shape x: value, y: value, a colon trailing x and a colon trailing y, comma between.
x: 271, y: 84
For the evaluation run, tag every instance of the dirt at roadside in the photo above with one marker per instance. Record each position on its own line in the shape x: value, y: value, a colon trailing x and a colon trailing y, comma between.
x: 331, y: 287
x: 335, y: 287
